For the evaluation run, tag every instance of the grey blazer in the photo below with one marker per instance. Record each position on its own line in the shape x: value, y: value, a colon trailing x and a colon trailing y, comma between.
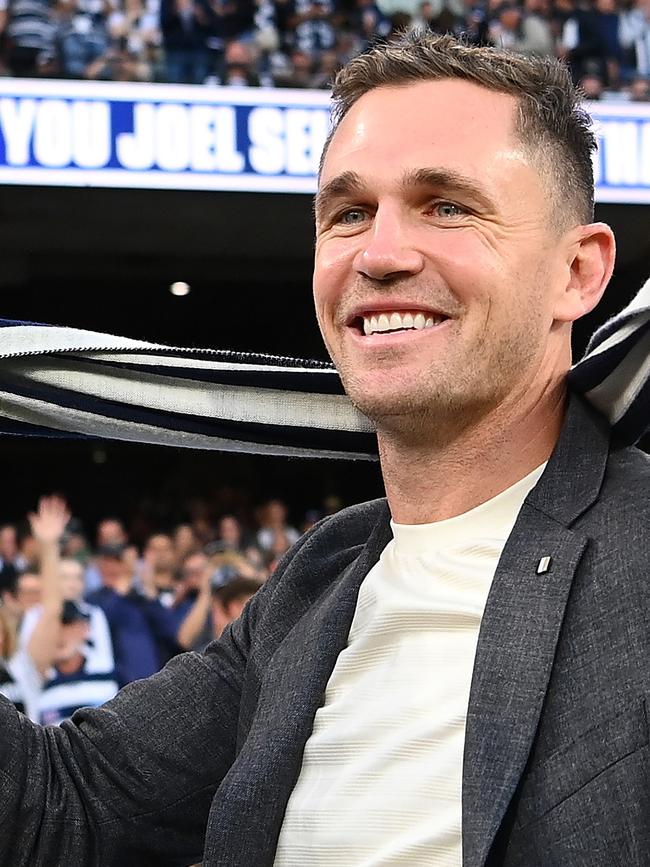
x: 556, y: 767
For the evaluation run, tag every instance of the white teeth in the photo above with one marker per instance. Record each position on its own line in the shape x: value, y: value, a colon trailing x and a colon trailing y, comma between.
x: 396, y: 321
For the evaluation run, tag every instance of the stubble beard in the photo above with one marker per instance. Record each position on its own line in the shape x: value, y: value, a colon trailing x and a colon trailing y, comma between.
x: 442, y: 403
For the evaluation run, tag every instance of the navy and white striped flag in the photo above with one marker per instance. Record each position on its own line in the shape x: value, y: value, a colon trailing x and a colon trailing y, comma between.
x: 69, y: 382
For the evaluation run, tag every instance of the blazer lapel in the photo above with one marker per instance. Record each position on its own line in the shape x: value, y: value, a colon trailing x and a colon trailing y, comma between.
x: 521, y: 626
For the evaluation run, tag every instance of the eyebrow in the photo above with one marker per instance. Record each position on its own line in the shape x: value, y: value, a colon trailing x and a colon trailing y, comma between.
x: 340, y: 186
x: 449, y: 180
x: 348, y: 183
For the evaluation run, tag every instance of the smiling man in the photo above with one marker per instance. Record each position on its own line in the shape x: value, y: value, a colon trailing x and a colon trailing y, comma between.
x: 457, y: 674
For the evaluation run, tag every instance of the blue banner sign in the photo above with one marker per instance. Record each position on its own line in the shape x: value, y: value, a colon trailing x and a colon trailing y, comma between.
x: 157, y: 136
x: 160, y: 136
x: 622, y: 162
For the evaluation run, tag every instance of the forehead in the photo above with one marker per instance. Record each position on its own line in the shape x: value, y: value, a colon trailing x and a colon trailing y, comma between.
x: 452, y: 124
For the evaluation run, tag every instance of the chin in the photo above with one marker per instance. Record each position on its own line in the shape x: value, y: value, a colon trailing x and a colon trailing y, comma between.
x: 379, y: 405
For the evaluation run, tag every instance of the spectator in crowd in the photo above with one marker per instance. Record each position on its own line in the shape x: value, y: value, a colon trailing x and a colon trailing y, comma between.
x: 635, y: 37
x: 592, y: 86
x: 24, y: 669
x: 158, y: 568
x: 134, y: 644
x: 74, y: 544
x: 186, y: 27
x: 229, y: 599
x: 436, y: 16
x: 639, y: 89
x: 591, y: 41
x: 191, y: 607
x: 74, y: 679
x: 328, y: 66
x: 369, y: 22
x: 239, y: 68
x: 145, y: 633
x: 273, y: 522
x: 184, y: 540
x: 235, y: 19
x: 231, y: 540
x: 30, y: 36
x: 20, y: 682
x: 298, y: 73
x: 524, y: 30
x: 20, y: 592
x: 11, y: 559
x: 83, y: 35
x: 137, y: 22
x: 505, y: 27
x: 98, y: 648
x: 301, y: 44
x: 110, y: 533
x: 279, y: 546
x: 117, y: 64
x: 310, y: 27
x: 537, y: 31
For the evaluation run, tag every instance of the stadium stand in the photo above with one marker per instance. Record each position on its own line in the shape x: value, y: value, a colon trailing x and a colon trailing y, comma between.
x: 301, y: 43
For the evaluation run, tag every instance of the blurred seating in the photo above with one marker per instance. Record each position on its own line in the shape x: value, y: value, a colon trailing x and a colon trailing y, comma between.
x: 302, y: 43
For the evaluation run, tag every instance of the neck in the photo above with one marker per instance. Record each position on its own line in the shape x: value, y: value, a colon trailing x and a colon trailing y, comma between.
x: 435, y: 479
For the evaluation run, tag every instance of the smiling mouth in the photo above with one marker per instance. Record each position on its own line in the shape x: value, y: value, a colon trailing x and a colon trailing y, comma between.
x: 393, y: 321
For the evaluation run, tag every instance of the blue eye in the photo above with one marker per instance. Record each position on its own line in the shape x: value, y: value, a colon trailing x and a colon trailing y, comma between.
x: 448, y: 209
x: 352, y: 217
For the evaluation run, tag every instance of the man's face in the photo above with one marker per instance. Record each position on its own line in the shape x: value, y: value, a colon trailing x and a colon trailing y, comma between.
x: 71, y: 639
x: 194, y: 569
x: 110, y: 532
x: 8, y: 543
x: 161, y: 550
x: 72, y: 579
x: 432, y: 223
x: 111, y: 570
x: 28, y: 591
x: 230, y: 531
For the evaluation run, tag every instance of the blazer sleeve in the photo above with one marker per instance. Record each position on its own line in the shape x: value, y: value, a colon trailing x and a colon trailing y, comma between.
x: 129, y: 783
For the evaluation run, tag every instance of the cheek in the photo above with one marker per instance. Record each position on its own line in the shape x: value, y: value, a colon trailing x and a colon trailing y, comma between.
x: 333, y: 268
x: 466, y: 263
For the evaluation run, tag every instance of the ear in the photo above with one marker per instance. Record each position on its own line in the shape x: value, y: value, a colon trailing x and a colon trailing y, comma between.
x: 590, y: 263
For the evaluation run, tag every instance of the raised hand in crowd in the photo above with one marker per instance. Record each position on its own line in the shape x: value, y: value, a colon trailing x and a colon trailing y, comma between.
x: 48, y: 524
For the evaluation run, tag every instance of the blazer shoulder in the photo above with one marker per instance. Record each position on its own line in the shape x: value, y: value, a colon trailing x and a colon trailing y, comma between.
x: 353, y: 524
x: 620, y: 516
x: 627, y: 478
x: 336, y: 538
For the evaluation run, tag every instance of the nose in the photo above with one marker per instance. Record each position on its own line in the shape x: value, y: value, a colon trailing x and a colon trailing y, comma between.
x: 388, y: 252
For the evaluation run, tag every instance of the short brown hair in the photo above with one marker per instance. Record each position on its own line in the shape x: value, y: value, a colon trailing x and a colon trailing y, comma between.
x: 550, y: 123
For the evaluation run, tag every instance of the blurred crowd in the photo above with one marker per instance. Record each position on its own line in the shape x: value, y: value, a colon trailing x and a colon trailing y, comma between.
x: 81, y: 617
x: 302, y: 43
